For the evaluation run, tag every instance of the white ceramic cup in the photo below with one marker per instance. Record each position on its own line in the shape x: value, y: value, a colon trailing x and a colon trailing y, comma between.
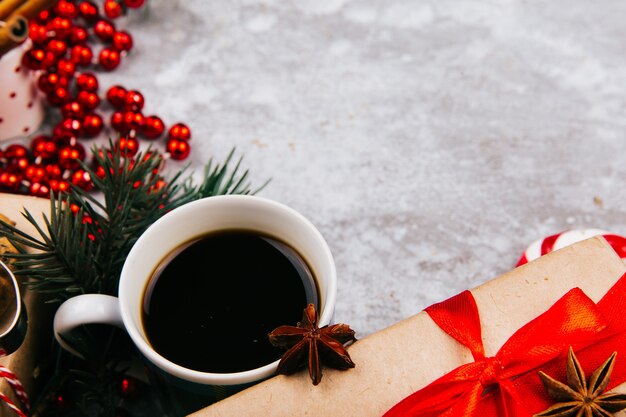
x: 182, y: 225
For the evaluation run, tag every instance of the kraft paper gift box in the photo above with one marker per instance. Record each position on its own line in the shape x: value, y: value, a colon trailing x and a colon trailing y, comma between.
x: 397, y: 361
x: 23, y: 362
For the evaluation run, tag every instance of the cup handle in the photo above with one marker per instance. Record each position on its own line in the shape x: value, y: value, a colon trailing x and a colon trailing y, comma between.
x: 85, y: 309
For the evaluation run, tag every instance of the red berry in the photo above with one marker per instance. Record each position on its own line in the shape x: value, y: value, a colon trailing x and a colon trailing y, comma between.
x: 10, y: 180
x: 122, y: 41
x: 35, y: 172
x: 43, y: 147
x: 117, y: 121
x: 15, y: 151
x: 116, y: 95
x: 58, y: 185
x: 180, y: 132
x: 88, y: 10
x: 78, y: 35
x: 66, y: 8
x: 58, y: 96
x: 89, y: 100
x: 56, y: 47
x: 133, y: 120
x: 37, y: 33
x: 104, y: 29
x: 112, y: 9
x: 128, y: 147
x: 81, y: 55
x: 133, y: 4
x: 133, y: 100
x: 48, y: 81
x: 33, y: 59
x: 38, y: 189
x: 43, y: 16
x: 87, y: 82
x: 82, y: 179
x: 61, y: 26
x: 69, y: 156
x: 153, y: 127
x: 73, y: 110
x: 109, y: 59
x: 92, y: 125
x: 66, y: 68
x: 178, y: 149
x: 73, y: 126
x: 53, y: 171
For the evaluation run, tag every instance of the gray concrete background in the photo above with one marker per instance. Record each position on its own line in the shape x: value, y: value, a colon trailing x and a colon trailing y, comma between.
x: 429, y: 141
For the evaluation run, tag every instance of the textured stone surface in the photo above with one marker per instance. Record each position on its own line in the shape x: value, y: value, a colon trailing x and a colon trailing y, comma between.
x: 429, y: 141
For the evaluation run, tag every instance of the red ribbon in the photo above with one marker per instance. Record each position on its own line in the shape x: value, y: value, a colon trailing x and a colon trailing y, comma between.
x: 507, y: 384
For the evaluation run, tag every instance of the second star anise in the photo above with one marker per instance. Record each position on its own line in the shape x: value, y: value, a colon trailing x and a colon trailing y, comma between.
x: 311, y: 344
x: 580, y: 399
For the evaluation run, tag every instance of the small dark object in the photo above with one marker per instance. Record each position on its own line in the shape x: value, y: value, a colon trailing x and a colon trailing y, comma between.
x: 310, y: 344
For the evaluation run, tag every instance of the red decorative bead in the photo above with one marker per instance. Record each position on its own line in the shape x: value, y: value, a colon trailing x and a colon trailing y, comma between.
x: 112, y: 9
x: 153, y: 127
x: 81, y: 55
x: 109, y: 59
x: 180, y: 132
x: 117, y: 121
x: 78, y: 35
x: 122, y: 41
x: 73, y: 126
x: 35, y: 173
x: 88, y: 11
x: 59, y: 185
x: 116, y: 95
x: 66, y: 68
x: 87, y: 82
x: 56, y: 47
x: 133, y: 100
x: 178, y: 149
x: 71, y: 155
x: 127, y: 147
x: 43, y: 16
x: 53, y: 171
x: 133, y: 4
x: 43, y: 147
x: 72, y: 110
x: 38, y: 189
x: 16, y: 151
x: 48, y: 81
x: 82, y: 179
x: 18, y: 164
x: 33, y: 59
x: 58, y: 96
x: 66, y: 8
x: 88, y: 99
x: 38, y: 33
x: 61, y: 26
x: 10, y: 180
x: 104, y: 29
x: 133, y: 120
x: 92, y: 125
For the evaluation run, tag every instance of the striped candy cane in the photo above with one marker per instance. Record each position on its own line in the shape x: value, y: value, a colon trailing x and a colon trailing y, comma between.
x: 18, y: 388
x: 549, y: 244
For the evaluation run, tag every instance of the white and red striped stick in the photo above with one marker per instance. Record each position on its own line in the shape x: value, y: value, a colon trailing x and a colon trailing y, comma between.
x: 18, y: 388
x: 549, y: 244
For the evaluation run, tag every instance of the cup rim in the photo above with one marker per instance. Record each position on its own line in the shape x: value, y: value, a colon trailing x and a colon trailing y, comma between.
x: 209, y: 378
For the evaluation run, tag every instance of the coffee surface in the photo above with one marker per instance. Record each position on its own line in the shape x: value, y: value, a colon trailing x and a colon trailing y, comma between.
x: 211, y: 303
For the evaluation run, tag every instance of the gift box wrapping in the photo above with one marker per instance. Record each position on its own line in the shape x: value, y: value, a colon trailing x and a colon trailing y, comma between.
x: 397, y: 361
x: 23, y: 362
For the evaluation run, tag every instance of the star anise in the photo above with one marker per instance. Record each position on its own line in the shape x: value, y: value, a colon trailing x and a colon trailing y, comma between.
x: 580, y: 399
x: 311, y: 344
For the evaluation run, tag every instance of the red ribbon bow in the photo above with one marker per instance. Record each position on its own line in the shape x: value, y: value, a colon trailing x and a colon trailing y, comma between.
x: 507, y: 384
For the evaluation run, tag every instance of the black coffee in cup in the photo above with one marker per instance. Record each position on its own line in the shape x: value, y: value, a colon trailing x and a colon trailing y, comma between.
x: 210, y: 303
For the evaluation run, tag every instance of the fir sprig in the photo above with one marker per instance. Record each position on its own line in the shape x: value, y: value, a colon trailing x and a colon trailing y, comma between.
x: 83, y: 244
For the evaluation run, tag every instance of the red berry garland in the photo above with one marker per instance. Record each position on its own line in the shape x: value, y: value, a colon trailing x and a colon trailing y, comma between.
x: 65, y: 51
